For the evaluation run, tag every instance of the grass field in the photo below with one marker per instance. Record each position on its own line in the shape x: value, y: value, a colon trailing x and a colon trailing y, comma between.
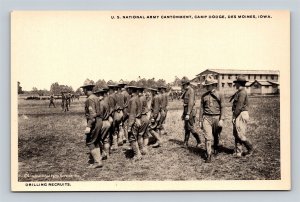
x: 52, y: 148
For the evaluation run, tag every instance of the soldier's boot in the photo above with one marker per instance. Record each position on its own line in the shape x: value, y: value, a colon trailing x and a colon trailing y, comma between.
x: 105, y: 153
x: 141, y: 146
x: 137, y: 154
x: 197, y: 137
x: 158, y: 140
x: 216, y: 145
x: 95, y: 152
x: 208, y: 150
x: 249, y: 147
x: 114, y: 145
x: 186, y: 139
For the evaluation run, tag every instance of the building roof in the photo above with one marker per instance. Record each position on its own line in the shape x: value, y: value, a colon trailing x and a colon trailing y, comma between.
x: 234, y: 71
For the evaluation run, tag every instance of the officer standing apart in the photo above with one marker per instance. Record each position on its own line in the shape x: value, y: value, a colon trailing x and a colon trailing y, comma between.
x: 240, y: 117
x: 189, y: 113
x: 93, y: 125
x: 212, y: 115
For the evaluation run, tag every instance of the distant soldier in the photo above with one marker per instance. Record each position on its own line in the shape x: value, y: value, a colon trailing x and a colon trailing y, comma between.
x: 136, y: 127
x: 93, y: 126
x: 69, y: 100
x: 212, y: 115
x: 64, y: 103
x: 103, y: 115
x: 52, y: 101
x: 163, y: 110
x: 155, y: 117
x: 189, y: 113
x: 240, y: 117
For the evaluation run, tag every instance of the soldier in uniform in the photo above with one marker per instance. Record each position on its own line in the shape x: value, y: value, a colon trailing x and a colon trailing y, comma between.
x: 212, y: 115
x: 64, y: 105
x: 125, y: 111
x: 189, y: 113
x: 93, y: 125
x: 52, y: 101
x: 103, y: 115
x: 164, y: 110
x: 136, y: 126
x: 155, y: 117
x: 240, y: 117
x: 143, y: 140
x: 119, y: 113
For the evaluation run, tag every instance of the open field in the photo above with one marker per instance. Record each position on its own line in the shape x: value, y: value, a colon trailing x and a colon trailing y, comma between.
x: 52, y: 148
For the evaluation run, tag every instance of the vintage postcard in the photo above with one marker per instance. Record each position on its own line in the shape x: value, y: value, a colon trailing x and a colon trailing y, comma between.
x: 150, y: 100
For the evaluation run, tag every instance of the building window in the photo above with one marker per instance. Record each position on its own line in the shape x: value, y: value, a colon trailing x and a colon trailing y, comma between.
x: 254, y: 76
x: 203, y: 77
x: 260, y: 76
x: 223, y: 85
x: 230, y: 85
x: 216, y: 76
x: 223, y: 76
x: 249, y: 76
x: 272, y: 77
x: 229, y: 76
x: 267, y: 76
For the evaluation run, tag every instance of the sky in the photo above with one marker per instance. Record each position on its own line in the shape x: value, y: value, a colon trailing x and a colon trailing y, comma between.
x: 68, y: 47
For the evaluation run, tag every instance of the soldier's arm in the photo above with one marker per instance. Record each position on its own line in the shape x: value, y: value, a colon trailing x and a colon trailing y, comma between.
x: 191, y: 102
x: 239, y: 104
x: 201, y: 109
x: 132, y: 113
x: 222, y: 106
x: 92, y: 112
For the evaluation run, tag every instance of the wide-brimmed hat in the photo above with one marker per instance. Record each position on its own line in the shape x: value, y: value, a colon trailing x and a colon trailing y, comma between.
x: 122, y: 84
x: 161, y: 87
x: 99, y: 90
x: 240, y: 79
x: 209, y: 80
x: 185, y: 80
x: 88, y: 84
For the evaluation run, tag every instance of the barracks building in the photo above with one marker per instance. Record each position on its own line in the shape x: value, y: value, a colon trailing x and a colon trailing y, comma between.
x: 259, y: 81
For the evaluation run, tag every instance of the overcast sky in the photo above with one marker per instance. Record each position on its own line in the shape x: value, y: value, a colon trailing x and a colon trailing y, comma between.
x: 68, y: 47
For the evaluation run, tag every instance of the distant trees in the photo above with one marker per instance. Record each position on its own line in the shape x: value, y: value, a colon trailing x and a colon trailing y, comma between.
x: 56, y: 88
x: 20, y: 91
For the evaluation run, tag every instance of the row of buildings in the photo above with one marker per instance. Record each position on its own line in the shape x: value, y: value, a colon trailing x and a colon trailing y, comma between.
x: 259, y: 81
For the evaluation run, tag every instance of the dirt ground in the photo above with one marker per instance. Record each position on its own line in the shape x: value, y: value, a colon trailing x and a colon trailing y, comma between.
x: 52, y: 147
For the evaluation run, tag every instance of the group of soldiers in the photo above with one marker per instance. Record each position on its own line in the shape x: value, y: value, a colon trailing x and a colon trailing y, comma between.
x: 119, y: 114
x: 66, y: 99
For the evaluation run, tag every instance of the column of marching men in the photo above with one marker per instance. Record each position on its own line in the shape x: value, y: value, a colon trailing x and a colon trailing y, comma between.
x: 123, y: 116
x: 120, y: 114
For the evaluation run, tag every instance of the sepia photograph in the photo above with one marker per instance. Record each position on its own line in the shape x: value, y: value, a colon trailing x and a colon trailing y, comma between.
x: 150, y: 100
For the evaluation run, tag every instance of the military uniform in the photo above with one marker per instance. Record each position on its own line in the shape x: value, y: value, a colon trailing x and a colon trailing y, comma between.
x: 155, y: 118
x: 125, y: 114
x: 163, y: 111
x: 144, y: 139
x: 212, y: 110
x: 240, y: 120
x: 188, y: 109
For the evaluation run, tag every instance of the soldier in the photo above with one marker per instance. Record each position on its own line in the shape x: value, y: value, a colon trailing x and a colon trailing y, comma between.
x: 164, y: 110
x: 125, y: 111
x: 103, y: 115
x: 64, y: 105
x: 155, y: 117
x: 136, y: 126
x: 189, y: 113
x: 69, y: 100
x: 52, y: 101
x: 143, y: 139
x: 93, y: 125
x: 240, y: 117
x: 212, y: 115
x: 116, y: 116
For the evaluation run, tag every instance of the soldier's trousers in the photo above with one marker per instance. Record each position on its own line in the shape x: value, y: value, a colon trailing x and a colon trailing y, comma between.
x: 139, y: 128
x: 52, y: 103
x: 163, y: 116
x: 211, y: 131
x: 94, y: 137
x: 239, y: 131
x: 189, y: 127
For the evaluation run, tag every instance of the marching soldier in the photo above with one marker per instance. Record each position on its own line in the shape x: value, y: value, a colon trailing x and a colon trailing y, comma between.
x: 240, y: 117
x: 164, y: 110
x: 189, y: 113
x: 136, y: 126
x: 52, y: 101
x: 212, y: 115
x: 155, y: 116
x: 93, y: 124
x: 103, y: 115
x: 143, y: 139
